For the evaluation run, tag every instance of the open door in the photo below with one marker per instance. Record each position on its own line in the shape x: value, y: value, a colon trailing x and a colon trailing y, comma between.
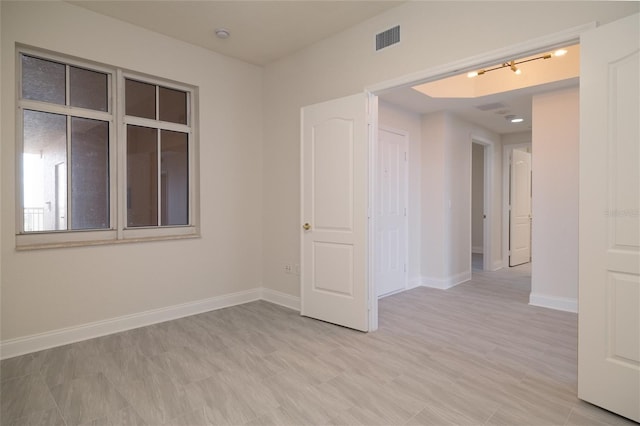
x: 609, y: 223
x: 520, y: 217
x: 334, y: 174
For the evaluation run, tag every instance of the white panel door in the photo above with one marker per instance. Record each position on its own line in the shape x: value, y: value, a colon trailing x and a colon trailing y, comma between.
x: 391, y: 212
x: 334, y: 173
x: 609, y: 223
x: 520, y: 218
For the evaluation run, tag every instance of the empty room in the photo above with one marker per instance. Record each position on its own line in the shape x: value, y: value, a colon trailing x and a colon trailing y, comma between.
x: 201, y: 203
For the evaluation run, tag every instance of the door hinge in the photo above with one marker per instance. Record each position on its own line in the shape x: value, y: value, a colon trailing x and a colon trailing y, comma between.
x: 405, y: 211
x: 405, y: 156
x: 405, y: 267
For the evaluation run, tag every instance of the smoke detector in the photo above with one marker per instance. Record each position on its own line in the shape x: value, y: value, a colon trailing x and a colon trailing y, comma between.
x: 223, y: 33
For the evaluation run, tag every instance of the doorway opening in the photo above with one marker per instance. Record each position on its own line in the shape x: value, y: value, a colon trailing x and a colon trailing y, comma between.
x: 482, y: 254
x: 517, y: 183
x: 479, y: 204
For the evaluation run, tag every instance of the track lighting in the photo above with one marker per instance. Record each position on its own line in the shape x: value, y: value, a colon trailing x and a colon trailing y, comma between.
x: 512, y: 65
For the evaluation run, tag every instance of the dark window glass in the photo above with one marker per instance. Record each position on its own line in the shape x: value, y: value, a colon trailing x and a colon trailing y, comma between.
x: 173, y: 105
x: 174, y: 184
x: 88, y: 89
x: 44, y: 171
x: 142, y: 176
x: 89, y: 174
x: 43, y: 80
x: 140, y: 99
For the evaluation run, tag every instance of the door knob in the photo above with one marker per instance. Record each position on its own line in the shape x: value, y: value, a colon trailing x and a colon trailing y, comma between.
x: 306, y: 226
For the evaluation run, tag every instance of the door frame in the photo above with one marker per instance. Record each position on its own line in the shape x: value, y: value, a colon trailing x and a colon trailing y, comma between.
x: 523, y: 49
x: 488, y: 197
x: 506, y: 184
x: 405, y: 135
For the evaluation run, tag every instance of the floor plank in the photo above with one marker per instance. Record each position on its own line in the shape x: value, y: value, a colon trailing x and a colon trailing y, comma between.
x: 473, y: 354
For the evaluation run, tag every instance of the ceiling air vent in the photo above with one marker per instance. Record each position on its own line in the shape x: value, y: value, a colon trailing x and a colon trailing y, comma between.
x: 388, y: 37
x: 488, y: 107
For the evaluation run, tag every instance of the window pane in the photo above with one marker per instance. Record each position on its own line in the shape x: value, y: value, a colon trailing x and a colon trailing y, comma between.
x: 142, y: 176
x: 43, y: 80
x: 88, y: 89
x: 89, y: 174
x: 140, y: 99
x: 174, y: 184
x: 173, y: 105
x: 44, y: 171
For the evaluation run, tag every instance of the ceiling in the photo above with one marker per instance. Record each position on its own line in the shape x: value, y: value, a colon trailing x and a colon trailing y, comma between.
x: 488, y: 100
x: 516, y: 102
x: 261, y: 31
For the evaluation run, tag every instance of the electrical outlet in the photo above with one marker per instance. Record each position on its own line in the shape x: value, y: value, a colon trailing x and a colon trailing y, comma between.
x: 296, y: 269
x: 288, y: 268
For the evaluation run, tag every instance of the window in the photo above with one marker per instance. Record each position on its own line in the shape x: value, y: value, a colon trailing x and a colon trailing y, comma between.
x: 157, y: 155
x: 106, y: 155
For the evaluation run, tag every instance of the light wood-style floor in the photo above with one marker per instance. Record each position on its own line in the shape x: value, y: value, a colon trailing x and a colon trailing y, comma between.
x: 472, y: 355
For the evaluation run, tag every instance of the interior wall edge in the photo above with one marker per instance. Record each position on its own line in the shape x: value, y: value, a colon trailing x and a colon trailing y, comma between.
x: 446, y: 282
x: 280, y: 298
x: 553, y: 302
x: 23, y: 345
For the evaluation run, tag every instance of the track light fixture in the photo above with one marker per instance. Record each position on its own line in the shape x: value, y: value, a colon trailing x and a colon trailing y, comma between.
x: 512, y: 65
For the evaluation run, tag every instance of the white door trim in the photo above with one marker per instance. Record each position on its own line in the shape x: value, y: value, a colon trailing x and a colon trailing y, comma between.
x: 487, y: 225
x: 506, y: 158
x: 372, y: 131
x: 405, y: 135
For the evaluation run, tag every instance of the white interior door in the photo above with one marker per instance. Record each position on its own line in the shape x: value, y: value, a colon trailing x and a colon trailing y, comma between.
x: 334, y: 173
x: 609, y: 223
x: 520, y: 217
x: 391, y: 212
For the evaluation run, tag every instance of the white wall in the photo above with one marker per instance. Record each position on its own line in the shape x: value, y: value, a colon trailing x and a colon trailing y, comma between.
x: 554, y: 274
x: 396, y: 118
x: 446, y: 198
x: 434, y: 255
x: 346, y: 63
x: 1, y: 178
x: 516, y: 138
x: 477, y: 198
x: 45, y: 290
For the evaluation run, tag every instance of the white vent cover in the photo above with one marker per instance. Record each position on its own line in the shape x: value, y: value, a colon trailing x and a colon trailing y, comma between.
x: 388, y: 37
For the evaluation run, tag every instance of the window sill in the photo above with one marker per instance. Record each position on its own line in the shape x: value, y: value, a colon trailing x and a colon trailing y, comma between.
x: 53, y: 240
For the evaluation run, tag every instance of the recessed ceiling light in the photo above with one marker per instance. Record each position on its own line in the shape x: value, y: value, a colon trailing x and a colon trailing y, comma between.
x: 513, y: 118
x: 560, y: 52
x: 222, y: 33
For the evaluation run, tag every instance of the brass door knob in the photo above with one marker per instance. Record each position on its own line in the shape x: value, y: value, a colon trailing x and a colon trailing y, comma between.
x: 306, y: 226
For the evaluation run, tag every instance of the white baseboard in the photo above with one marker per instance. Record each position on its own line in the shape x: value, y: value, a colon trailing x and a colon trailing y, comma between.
x: 477, y: 249
x: 498, y: 264
x: 553, y: 302
x: 414, y: 283
x: 282, y: 299
x: 37, y: 342
x: 448, y: 282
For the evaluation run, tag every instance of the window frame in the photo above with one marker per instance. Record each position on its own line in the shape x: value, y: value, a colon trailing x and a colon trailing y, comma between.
x: 149, y: 231
x: 117, y: 231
